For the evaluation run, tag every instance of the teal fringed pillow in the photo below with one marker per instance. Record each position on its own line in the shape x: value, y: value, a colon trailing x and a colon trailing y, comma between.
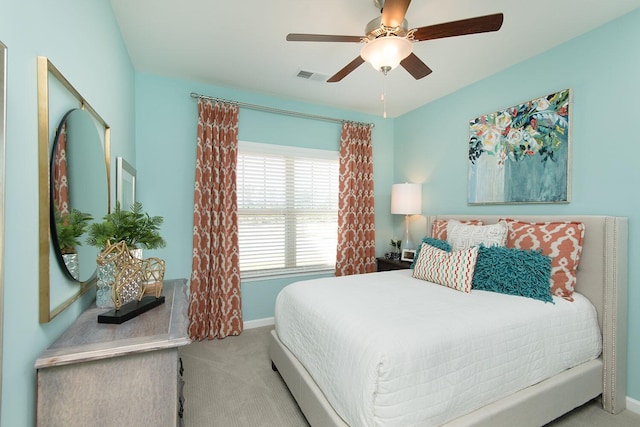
x: 513, y: 272
x: 436, y: 243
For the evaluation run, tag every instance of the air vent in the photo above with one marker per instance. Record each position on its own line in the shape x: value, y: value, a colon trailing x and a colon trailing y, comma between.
x: 310, y: 75
x: 305, y: 74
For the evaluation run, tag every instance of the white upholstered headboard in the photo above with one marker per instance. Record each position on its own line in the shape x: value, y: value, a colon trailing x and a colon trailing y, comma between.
x: 602, y: 277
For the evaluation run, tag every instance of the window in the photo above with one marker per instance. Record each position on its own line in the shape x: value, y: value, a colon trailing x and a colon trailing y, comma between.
x: 287, y: 209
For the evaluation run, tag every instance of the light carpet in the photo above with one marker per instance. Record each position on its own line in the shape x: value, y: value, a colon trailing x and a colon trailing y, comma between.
x: 229, y: 383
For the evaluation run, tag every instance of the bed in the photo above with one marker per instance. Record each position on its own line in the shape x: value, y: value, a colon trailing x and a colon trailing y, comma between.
x: 601, y: 280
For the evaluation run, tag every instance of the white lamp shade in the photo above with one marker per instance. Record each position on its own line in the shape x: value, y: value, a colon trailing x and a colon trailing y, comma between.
x: 386, y: 52
x: 406, y: 199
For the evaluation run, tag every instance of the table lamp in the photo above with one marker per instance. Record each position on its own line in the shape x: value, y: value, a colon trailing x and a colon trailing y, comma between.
x: 406, y: 199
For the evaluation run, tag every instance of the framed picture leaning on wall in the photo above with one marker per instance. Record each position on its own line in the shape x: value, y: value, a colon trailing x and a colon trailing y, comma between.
x: 125, y: 184
x: 408, y: 255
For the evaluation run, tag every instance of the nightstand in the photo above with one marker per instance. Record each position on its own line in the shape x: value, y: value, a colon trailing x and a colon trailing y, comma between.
x: 385, y: 264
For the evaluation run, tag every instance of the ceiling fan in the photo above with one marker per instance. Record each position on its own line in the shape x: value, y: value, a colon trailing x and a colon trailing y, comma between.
x: 388, y: 41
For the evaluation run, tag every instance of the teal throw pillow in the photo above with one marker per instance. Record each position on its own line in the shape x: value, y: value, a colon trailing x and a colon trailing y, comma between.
x: 436, y: 243
x: 514, y: 272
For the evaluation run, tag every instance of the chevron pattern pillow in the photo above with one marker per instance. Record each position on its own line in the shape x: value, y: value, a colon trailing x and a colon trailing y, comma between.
x: 436, y: 243
x: 451, y: 269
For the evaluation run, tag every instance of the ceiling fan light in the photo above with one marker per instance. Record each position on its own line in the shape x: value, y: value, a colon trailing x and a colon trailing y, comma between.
x: 385, y: 53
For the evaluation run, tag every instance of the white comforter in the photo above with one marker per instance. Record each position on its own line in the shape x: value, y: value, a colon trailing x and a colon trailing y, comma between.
x: 390, y: 350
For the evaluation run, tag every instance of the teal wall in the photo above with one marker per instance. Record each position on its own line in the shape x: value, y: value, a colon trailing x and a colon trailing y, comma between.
x: 427, y: 145
x: 603, y: 70
x: 82, y: 39
x: 166, y: 119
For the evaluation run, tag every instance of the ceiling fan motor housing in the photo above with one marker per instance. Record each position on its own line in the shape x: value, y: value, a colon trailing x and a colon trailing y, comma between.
x: 375, y: 29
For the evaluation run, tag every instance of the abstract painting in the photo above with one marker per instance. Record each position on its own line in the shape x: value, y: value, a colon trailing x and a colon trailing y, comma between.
x: 521, y: 154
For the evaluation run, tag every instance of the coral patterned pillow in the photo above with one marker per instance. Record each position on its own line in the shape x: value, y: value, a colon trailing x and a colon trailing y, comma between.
x: 451, y: 269
x: 561, y: 241
x: 439, y: 227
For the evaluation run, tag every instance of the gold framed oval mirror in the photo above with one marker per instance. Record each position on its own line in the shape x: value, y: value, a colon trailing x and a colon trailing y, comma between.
x: 59, y: 288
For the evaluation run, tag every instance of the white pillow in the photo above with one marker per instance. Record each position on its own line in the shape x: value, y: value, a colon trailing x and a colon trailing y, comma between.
x: 463, y: 236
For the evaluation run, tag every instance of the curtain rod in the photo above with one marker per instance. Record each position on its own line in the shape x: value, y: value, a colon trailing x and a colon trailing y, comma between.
x: 277, y: 110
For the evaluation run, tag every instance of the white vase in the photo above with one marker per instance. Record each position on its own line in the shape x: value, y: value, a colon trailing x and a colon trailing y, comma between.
x: 136, y: 253
x: 486, y: 180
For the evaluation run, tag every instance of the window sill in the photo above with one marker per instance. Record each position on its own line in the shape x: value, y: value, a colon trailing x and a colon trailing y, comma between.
x: 284, y: 275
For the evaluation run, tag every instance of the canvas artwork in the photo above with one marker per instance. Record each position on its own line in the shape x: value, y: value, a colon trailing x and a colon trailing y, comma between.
x: 521, y: 154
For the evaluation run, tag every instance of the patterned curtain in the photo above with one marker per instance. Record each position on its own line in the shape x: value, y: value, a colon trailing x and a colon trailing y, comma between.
x: 356, y: 225
x: 215, y: 309
x: 60, y: 181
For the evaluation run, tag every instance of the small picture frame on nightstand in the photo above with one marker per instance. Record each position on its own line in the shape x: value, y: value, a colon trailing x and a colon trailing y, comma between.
x: 408, y: 255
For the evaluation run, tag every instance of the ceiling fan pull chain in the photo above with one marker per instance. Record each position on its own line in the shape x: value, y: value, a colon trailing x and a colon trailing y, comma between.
x: 383, y: 96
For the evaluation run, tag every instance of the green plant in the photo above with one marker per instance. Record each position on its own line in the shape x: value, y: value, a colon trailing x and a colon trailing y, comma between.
x: 69, y: 228
x: 136, y: 228
x: 396, y: 243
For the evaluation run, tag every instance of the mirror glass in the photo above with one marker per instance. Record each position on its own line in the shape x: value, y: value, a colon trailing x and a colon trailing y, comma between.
x: 78, y: 188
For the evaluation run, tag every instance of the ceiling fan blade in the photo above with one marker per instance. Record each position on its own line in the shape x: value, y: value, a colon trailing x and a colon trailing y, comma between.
x: 295, y: 37
x: 346, y: 70
x: 393, y: 12
x: 415, y: 66
x: 480, y: 24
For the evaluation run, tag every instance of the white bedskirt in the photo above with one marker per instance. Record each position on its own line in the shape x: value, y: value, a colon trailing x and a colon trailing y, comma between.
x: 390, y: 350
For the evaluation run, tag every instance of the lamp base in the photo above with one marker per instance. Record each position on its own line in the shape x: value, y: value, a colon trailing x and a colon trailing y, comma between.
x: 406, y: 238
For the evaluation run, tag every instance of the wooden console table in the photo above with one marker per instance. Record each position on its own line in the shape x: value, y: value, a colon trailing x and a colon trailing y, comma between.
x: 113, y: 375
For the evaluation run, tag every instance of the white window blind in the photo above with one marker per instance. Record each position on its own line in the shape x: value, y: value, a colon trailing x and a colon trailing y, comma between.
x: 287, y: 209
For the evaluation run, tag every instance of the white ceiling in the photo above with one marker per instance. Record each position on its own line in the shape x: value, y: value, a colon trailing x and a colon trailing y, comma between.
x: 241, y: 44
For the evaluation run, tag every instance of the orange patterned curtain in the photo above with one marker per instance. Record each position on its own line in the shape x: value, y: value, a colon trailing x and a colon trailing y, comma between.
x: 60, y: 181
x: 215, y: 308
x: 356, y: 221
